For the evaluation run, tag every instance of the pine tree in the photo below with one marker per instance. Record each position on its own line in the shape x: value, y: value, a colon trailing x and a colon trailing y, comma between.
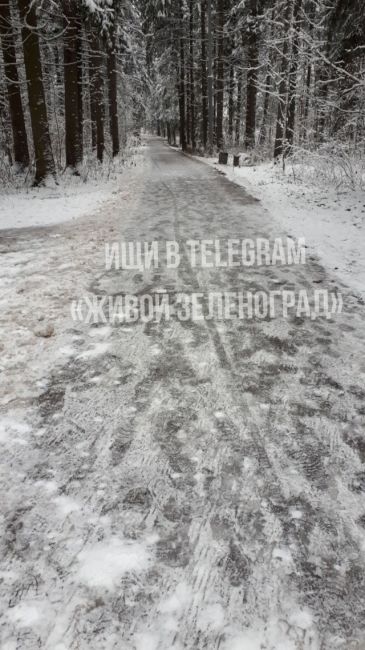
x: 20, y: 142
x: 252, y: 78
x: 291, y: 109
x: 282, y: 93
x: 44, y: 162
x: 113, y: 85
x: 73, y: 127
x: 220, y: 72
x: 204, y: 81
x: 97, y: 109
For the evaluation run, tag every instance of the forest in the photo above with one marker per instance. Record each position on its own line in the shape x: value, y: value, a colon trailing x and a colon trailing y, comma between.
x: 73, y: 81
x: 276, y: 78
x: 273, y: 76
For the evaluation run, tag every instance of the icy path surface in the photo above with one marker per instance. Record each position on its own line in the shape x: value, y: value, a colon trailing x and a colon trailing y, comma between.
x: 332, y: 221
x: 176, y: 485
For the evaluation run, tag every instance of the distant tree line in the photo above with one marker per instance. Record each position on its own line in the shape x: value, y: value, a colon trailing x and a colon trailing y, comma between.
x: 285, y: 73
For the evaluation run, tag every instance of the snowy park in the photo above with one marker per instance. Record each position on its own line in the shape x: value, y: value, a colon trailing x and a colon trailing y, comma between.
x: 182, y: 339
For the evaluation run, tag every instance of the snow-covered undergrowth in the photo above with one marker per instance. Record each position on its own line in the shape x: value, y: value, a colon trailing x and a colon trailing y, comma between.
x: 69, y: 198
x: 331, y: 165
x: 317, y: 199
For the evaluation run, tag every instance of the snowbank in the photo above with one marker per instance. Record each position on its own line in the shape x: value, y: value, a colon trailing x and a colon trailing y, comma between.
x: 332, y: 222
x: 46, y: 206
x: 73, y: 197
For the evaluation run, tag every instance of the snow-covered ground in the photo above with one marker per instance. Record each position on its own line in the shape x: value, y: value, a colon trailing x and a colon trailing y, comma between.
x: 46, y: 206
x: 332, y: 221
x: 175, y: 485
x: 72, y: 197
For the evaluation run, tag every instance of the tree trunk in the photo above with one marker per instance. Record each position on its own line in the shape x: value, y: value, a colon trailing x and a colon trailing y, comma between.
x: 280, y: 121
x: 230, y: 102
x: 191, y: 74
x: 220, y: 71
x: 210, y: 79
x: 4, y: 128
x: 71, y: 82
x: 37, y: 105
x: 182, y: 81
x: 268, y: 84
x: 238, y: 109
x: 92, y: 100
x: 252, y: 78
x: 215, y: 84
x: 20, y: 143
x: 57, y: 65
x: 80, y: 88
x: 290, y: 116
x: 204, y: 82
x: 187, y: 96
x: 308, y: 82
x: 308, y: 77
x: 97, y: 96
x: 265, y: 108
x: 112, y: 94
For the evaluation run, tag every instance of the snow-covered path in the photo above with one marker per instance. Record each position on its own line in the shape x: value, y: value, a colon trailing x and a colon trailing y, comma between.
x: 174, y: 485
